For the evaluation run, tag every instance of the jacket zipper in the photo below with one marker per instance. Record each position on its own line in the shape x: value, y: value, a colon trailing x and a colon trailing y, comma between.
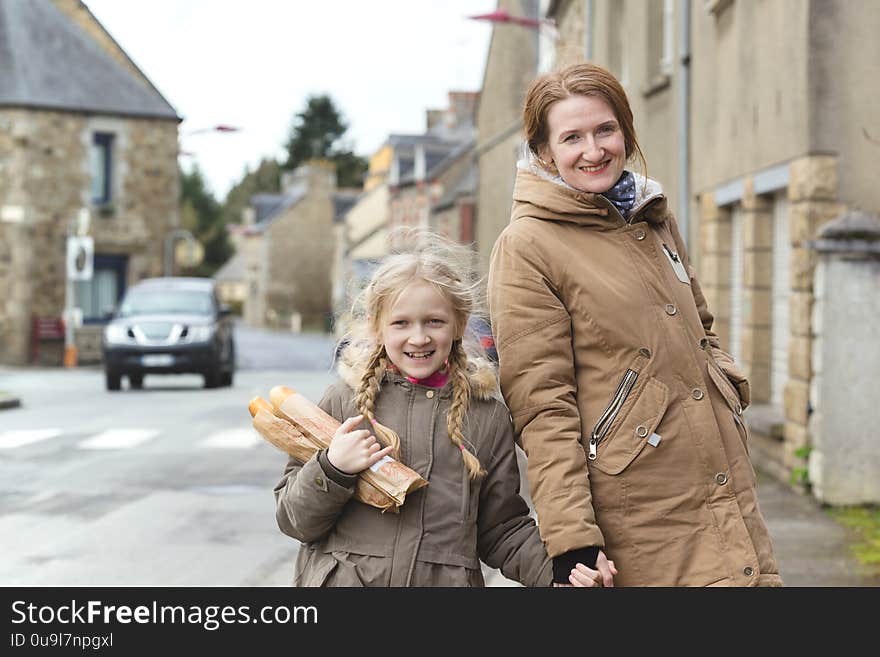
x: 607, y: 418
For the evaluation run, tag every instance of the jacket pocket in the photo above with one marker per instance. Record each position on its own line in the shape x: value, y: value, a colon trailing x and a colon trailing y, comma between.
x: 630, y: 433
x: 733, y: 379
x: 725, y: 386
x: 615, y: 406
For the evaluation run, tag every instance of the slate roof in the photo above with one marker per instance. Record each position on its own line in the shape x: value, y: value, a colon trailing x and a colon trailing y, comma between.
x: 232, y: 270
x: 48, y: 61
x: 343, y: 201
x: 268, y: 207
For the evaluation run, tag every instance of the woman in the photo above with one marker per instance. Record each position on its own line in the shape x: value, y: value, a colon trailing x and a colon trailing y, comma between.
x: 628, y: 409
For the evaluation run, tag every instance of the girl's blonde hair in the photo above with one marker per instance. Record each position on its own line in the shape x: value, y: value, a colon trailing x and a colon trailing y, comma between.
x: 418, y: 255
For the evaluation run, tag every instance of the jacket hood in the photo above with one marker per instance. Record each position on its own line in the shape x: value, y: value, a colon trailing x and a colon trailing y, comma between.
x: 482, y: 374
x: 540, y: 195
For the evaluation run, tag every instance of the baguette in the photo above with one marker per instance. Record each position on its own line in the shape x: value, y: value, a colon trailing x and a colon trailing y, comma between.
x: 296, y: 426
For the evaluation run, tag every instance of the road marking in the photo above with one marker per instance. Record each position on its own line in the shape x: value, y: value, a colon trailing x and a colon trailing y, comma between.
x: 11, y: 439
x: 231, y: 439
x: 118, y: 439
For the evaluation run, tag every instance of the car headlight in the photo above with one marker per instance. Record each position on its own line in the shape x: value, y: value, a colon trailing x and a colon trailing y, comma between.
x: 116, y: 334
x: 200, y: 333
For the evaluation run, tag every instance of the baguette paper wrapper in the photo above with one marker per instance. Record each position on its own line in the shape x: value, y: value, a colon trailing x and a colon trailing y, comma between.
x: 299, y: 428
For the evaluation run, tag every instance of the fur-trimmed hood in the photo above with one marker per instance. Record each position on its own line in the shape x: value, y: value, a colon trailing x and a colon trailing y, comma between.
x: 541, y: 195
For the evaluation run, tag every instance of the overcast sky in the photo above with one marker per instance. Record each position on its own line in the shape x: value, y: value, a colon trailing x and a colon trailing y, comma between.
x: 252, y: 63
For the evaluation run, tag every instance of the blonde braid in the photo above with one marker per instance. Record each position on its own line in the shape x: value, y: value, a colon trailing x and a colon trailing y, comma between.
x: 461, y: 393
x: 366, y: 398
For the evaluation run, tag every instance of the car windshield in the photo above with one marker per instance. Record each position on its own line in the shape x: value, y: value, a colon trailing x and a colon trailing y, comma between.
x: 171, y: 302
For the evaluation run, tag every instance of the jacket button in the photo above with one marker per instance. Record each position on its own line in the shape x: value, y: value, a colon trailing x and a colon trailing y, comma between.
x: 640, y: 234
x: 721, y: 479
x: 696, y: 393
x: 670, y: 309
x: 429, y: 394
x: 739, y: 409
x: 704, y: 343
x: 641, y: 431
x: 645, y: 352
x: 748, y: 571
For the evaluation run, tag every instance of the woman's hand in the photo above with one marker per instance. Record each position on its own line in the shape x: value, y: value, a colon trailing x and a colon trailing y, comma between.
x: 354, y: 451
x: 603, y: 575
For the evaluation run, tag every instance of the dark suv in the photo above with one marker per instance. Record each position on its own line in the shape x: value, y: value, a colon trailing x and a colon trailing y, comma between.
x: 170, y: 326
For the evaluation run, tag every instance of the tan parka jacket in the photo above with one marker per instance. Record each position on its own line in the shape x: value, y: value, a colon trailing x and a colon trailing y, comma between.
x: 627, y: 407
x: 443, y: 530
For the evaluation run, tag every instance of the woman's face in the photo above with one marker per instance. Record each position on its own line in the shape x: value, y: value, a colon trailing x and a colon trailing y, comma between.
x: 585, y: 143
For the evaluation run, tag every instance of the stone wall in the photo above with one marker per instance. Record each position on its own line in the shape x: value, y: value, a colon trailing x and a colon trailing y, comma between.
x: 44, y: 182
x: 510, y: 66
x: 844, y: 462
x: 301, y: 244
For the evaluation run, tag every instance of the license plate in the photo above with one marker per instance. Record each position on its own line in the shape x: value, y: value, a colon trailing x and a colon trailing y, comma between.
x: 157, y: 360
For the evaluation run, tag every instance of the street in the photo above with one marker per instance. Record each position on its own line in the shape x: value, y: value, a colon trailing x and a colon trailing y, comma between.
x: 168, y: 485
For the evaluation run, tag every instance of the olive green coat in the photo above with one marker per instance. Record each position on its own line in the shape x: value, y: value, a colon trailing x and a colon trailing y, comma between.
x: 443, y: 530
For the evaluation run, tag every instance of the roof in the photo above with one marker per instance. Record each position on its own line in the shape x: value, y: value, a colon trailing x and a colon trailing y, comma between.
x: 47, y: 61
x: 232, y: 270
x: 343, y: 201
x: 269, y: 207
x: 465, y: 185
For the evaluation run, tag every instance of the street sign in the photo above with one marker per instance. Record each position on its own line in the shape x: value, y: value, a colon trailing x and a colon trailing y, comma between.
x: 80, y: 258
x: 189, y: 253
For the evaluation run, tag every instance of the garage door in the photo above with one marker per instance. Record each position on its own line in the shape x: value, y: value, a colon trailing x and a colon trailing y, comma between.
x: 736, y: 284
x: 781, y: 292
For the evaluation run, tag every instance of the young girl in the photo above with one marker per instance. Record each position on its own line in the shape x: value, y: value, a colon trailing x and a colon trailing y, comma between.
x: 406, y: 375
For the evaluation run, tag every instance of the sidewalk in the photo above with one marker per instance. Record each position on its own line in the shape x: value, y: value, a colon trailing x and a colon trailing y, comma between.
x: 811, y: 548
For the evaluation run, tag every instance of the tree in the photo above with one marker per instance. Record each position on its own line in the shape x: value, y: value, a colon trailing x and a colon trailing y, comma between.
x: 317, y: 132
x: 266, y: 178
x: 201, y: 215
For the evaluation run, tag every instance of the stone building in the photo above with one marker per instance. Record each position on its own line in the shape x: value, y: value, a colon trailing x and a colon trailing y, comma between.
x: 81, y: 128
x: 760, y: 121
x: 511, y: 63
x: 433, y: 176
x: 288, y: 243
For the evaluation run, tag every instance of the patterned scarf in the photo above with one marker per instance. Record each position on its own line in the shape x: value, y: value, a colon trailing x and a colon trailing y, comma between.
x: 623, y: 193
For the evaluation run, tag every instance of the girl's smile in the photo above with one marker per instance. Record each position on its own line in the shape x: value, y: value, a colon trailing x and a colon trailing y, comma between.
x: 418, y: 330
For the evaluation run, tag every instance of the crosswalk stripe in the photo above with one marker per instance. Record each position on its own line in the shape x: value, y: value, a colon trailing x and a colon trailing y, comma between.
x: 231, y: 439
x: 11, y: 439
x: 118, y: 439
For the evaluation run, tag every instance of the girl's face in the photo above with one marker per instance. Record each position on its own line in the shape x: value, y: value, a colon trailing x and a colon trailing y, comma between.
x: 418, y: 330
x: 585, y: 143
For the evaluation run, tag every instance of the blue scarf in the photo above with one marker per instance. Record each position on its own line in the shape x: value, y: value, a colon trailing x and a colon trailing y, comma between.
x: 623, y: 193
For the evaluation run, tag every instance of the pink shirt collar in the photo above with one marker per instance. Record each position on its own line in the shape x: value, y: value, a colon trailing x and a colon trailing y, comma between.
x: 437, y: 380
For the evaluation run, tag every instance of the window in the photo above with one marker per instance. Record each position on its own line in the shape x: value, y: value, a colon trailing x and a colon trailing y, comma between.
x: 660, y: 42
x: 101, y: 164
x: 616, y: 50
x: 99, y: 296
